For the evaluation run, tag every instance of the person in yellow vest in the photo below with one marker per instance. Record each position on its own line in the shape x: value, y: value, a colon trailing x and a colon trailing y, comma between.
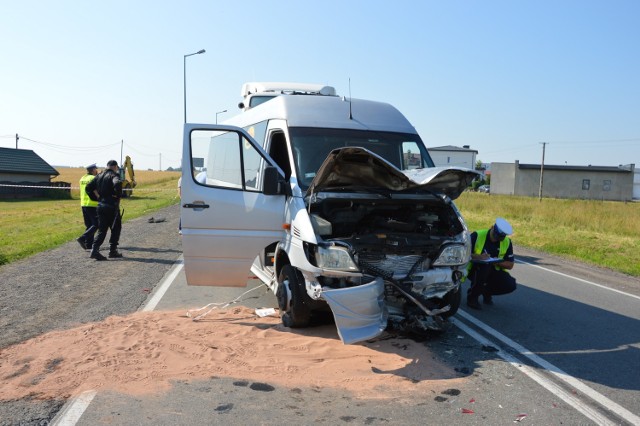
x: 89, y: 209
x: 491, y: 258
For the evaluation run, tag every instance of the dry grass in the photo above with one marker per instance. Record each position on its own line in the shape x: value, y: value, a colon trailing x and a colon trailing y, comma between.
x: 144, y: 178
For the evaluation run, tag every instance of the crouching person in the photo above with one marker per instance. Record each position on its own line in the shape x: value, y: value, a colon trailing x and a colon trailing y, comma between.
x: 491, y: 258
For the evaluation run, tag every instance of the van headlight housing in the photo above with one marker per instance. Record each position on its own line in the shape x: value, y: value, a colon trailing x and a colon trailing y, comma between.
x: 453, y: 255
x: 334, y: 257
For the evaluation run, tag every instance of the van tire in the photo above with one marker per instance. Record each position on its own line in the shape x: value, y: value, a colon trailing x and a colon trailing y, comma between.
x: 453, y: 298
x: 296, y: 313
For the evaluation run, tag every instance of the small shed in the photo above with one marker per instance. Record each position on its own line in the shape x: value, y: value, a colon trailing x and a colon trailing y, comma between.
x: 25, y: 168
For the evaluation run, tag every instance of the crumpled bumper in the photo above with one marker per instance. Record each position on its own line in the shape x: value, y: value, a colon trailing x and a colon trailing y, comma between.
x: 360, y: 312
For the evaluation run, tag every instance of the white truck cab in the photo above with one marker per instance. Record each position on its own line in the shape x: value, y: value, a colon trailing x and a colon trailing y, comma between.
x: 334, y: 204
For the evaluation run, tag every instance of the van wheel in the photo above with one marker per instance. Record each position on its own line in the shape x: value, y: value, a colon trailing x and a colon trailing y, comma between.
x: 296, y: 313
x: 452, y: 298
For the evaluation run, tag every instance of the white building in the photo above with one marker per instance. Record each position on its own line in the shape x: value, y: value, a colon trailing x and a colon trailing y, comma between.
x: 454, y: 156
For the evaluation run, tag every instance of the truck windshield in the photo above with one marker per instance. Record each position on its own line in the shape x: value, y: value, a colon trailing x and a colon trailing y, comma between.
x: 312, y: 145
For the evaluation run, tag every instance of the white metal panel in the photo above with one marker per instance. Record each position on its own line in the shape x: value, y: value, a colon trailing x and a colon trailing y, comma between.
x: 221, y: 241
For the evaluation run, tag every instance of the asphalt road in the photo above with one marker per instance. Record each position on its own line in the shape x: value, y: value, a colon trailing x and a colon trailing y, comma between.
x: 562, y: 349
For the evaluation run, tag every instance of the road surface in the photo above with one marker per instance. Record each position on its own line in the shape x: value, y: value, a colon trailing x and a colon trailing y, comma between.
x: 562, y: 349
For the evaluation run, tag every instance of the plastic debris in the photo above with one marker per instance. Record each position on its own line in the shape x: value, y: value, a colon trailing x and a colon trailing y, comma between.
x: 265, y: 312
x: 467, y: 411
x: 519, y: 418
x: 472, y: 401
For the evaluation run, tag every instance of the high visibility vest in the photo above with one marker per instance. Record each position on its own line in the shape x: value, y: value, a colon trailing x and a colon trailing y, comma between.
x: 85, y: 201
x: 482, y: 238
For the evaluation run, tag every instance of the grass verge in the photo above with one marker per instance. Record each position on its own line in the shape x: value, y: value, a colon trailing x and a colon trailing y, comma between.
x: 34, y: 225
x: 605, y: 234
x: 601, y: 233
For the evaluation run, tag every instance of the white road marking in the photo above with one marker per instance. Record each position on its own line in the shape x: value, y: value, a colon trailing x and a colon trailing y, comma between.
x: 73, y: 409
x: 547, y: 384
x: 579, y: 279
x: 164, y: 286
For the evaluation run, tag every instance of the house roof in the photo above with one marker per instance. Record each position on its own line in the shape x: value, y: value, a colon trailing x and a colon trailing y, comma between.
x: 24, y: 161
x: 610, y: 169
x: 451, y: 148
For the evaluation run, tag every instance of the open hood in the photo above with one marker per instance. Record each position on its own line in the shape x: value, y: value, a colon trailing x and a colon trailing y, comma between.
x: 361, y: 169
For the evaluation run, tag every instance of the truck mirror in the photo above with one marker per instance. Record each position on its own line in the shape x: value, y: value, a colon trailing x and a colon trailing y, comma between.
x: 271, y: 181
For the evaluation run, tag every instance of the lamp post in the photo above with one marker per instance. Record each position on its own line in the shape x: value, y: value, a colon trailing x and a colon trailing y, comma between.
x: 219, y: 112
x: 184, y: 74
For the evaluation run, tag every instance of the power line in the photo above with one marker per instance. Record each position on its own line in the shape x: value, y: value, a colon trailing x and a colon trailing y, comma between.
x: 597, y: 141
x: 75, y: 148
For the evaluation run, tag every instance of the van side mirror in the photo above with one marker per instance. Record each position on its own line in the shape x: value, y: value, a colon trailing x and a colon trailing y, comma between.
x: 272, y: 183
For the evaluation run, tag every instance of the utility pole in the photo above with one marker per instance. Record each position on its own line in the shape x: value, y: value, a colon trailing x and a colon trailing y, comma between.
x: 544, y: 145
x: 160, y: 162
x: 121, y: 146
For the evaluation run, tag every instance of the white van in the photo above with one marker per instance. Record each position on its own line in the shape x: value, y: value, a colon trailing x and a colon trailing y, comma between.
x: 335, y: 205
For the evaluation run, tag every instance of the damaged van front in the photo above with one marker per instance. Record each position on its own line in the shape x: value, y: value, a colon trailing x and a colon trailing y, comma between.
x: 391, y: 246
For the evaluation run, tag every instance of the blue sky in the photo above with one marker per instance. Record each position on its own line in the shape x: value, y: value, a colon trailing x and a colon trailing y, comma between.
x: 79, y: 77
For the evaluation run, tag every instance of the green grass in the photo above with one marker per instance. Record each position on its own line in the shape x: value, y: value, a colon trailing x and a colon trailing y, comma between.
x: 605, y: 234
x: 31, y: 226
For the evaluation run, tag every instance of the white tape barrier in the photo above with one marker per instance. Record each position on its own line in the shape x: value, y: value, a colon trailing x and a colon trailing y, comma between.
x: 77, y: 187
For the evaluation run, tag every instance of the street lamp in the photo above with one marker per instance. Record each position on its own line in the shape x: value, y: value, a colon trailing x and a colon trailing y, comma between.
x: 185, y: 80
x: 219, y: 112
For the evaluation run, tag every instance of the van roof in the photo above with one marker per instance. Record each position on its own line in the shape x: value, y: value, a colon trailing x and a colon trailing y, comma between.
x: 252, y: 88
x: 326, y: 112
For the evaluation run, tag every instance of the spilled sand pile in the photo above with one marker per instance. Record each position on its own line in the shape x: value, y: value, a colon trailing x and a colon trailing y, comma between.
x: 143, y: 352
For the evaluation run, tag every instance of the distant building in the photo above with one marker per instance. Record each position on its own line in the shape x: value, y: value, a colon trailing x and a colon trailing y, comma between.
x: 23, y: 167
x: 454, y: 156
x: 582, y: 182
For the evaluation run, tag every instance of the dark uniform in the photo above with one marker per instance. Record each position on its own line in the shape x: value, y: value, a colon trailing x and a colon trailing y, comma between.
x: 109, y: 187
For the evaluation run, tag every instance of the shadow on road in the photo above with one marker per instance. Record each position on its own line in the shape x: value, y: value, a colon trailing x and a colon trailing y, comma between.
x: 587, y: 342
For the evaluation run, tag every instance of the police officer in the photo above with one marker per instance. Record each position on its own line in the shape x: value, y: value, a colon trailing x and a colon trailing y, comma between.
x: 107, y: 187
x: 491, y: 258
x: 89, y: 209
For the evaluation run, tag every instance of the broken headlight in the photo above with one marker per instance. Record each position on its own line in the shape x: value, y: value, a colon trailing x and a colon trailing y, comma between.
x: 334, y: 257
x: 453, y: 255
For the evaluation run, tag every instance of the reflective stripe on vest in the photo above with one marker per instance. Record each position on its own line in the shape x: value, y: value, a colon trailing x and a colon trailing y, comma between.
x: 85, y: 201
x: 482, y: 238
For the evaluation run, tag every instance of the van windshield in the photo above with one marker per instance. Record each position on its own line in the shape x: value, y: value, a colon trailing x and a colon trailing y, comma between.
x: 312, y: 145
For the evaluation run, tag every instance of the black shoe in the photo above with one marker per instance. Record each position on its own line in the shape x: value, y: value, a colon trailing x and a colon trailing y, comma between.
x: 97, y: 256
x: 115, y: 254
x: 80, y: 241
x: 472, y: 302
x: 487, y: 299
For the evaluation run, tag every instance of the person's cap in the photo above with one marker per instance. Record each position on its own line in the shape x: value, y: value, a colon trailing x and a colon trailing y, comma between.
x: 502, y: 227
x: 112, y: 163
x: 91, y: 167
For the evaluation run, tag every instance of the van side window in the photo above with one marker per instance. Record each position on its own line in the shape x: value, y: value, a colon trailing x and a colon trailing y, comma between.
x: 225, y: 159
x: 278, y: 152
